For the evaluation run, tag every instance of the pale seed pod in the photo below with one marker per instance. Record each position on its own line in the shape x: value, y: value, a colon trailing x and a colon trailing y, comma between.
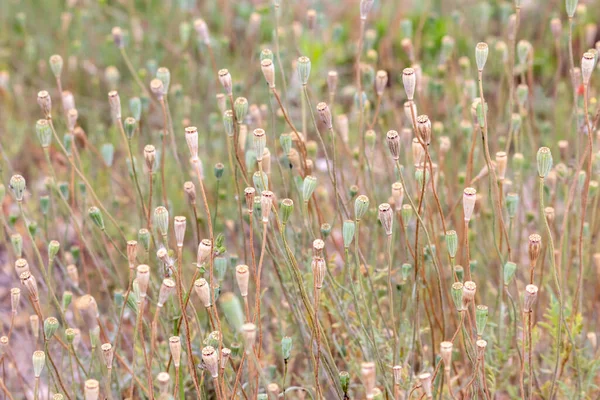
x: 426, y: 380
x: 318, y: 246
x: 163, y: 379
x: 266, y: 203
x: 4, y: 342
x: 117, y: 35
x: 544, y: 161
x: 325, y: 114
x: 381, y: 80
x: 365, y: 8
x: 556, y: 28
x: 393, y: 141
x: 226, y: 81
x: 469, y: 198
x: 149, y: 156
x: 452, y: 242
x: 34, y: 323
x: 39, y: 360
x: 501, y: 164
x: 72, y: 117
x: 114, y: 100
x: 143, y: 279
x: 468, y: 293
x: 175, y: 348
x: 319, y: 269
x: 361, y: 206
x: 73, y: 274
x: 397, y: 372
x: 303, y: 67
x: 68, y: 101
x: 397, y: 195
x: 259, y: 141
x: 18, y: 184
x: 332, y: 81
x: 202, y: 31
x: 91, y: 390
x: 45, y: 103
x: 21, y: 265
x: 242, y: 276
x: 534, y: 248
x: 446, y: 354
x: 268, y: 70
x: 225, y: 355
x: 531, y: 292
x: 249, y: 336
x: 481, y: 346
x: 308, y: 187
x: 203, y: 253
x: 190, y: 190
x: 424, y: 128
x: 107, y: 354
x: 221, y: 102
x: 179, y: 225
x: 191, y: 137
x: 161, y: 220
x: 166, y: 290
x: 15, y: 296
x: 203, y: 291
x: 481, y: 54
x: 56, y: 65
x: 367, y: 371
x: 550, y: 214
x: 588, y: 62
x: 386, y: 216
x: 30, y: 283
x: 417, y: 152
x: 409, y: 79
x: 249, y: 194
x: 131, y: 253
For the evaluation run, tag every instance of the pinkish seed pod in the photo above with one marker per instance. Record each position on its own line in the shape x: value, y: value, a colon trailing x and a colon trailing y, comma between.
x: 175, y: 348
x: 226, y: 81
x: 381, y: 80
x: 501, y: 164
x: 242, y: 276
x: 203, y: 291
x: 179, y: 225
x: 45, y: 103
x: 469, y: 198
x: 468, y: 294
x: 166, y: 290
x: 325, y: 115
x: 446, y: 354
x: 409, y: 79
x: 424, y: 128
x: 531, y: 292
x: 319, y: 268
x: 268, y: 70
x: 386, y: 216
x: 393, y: 141
x: 588, y: 62
x: 143, y: 279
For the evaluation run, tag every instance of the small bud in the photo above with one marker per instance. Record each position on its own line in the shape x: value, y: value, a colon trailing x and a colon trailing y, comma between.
x: 286, y: 347
x: 39, y: 360
x: 469, y: 198
x: 344, y: 378
x: 242, y: 276
x: 481, y: 54
x: 386, y: 216
x: 531, y: 292
x: 268, y: 70
x: 175, y: 348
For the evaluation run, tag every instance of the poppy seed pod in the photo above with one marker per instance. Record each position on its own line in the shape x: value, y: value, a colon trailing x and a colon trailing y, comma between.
x: 39, y: 360
x: 50, y: 326
x: 161, y: 220
x: 319, y: 269
x: 166, y: 290
x: 202, y: 289
x: 179, y: 224
x: 21, y: 265
x: 303, y: 67
x: 107, y: 354
x: 117, y: 35
x: 367, y: 372
x: 91, y: 389
x: 588, y: 62
x: 30, y: 283
x: 268, y: 70
x: 381, y: 80
x: 417, y: 151
x: 501, y: 163
x: 164, y: 75
x: 571, y: 7
x: 386, y: 216
x: 202, y: 31
x: 266, y: 203
x: 446, y: 354
x: 143, y: 279
x: 44, y: 132
x: 325, y: 114
x: 332, y: 81
x: 365, y: 8
x: 249, y: 336
x: 203, y: 254
x: 15, y: 297
x: 149, y: 156
x: 469, y: 198
x: 129, y: 125
x: 228, y: 123
x: 157, y: 88
x: 242, y: 276
x: 240, y: 106
x: 114, y: 101
x: 481, y: 54
x: 56, y: 65
x: 544, y: 161
x: 409, y: 79
x: 452, y: 242
x: 426, y: 380
x: 226, y: 81
x: 308, y: 187
x: 534, y: 248
x: 17, y: 184
x: 481, y: 318
x: 211, y: 360
x: 131, y: 252
x: 424, y: 128
x: 393, y: 141
x: 225, y: 355
x: 348, y: 230
x: 468, y: 293
x: 45, y: 102
x: 318, y: 246
x: 287, y: 207
x: 397, y: 195
x: 531, y: 292
x: 481, y: 346
x: 259, y: 141
x: 191, y: 137
x: 249, y: 194
x: 361, y: 206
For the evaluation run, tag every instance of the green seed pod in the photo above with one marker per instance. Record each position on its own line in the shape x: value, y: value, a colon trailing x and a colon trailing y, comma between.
x: 161, y: 220
x: 56, y: 65
x: 348, y: 229
x: 108, y: 154
x: 262, y: 396
x: 406, y: 268
x: 17, y: 243
x: 353, y: 191
x: 266, y: 54
x: 517, y: 162
x: 39, y: 359
x: 308, y: 187
x: 96, y: 217
x: 67, y: 297
x: 68, y: 144
x: 407, y: 213
x: 522, y: 93
x: 135, y: 106
x: 228, y: 122
x: 481, y: 317
x: 344, y: 381
x: 164, y: 75
x: 303, y: 69
x: 17, y: 184
x: 63, y: 188
x: 233, y: 311
x: 50, y: 326
x: 460, y: 272
x: 361, y: 206
x: 261, y: 182
x: 286, y: 347
x: 571, y: 6
x: 593, y: 188
x: 44, y: 204
x: 481, y: 55
x: 70, y: 334
x: 544, y: 161
x: 509, y: 272
x: 53, y: 248
x: 480, y: 113
x: 220, y: 266
x: 44, y: 132
x: 129, y: 126
x: 457, y: 290
x: 219, y: 168
x: 452, y: 243
x: 32, y: 227
x: 118, y: 298
x: 512, y: 204
x: 241, y: 109
x: 325, y: 230
x: 287, y: 206
x: 75, y: 252
x: 285, y: 139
